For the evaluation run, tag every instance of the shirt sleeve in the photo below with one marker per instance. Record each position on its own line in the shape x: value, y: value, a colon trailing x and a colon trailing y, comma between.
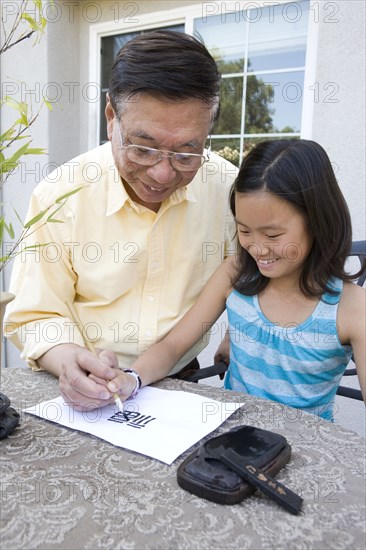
x: 230, y: 235
x: 31, y: 326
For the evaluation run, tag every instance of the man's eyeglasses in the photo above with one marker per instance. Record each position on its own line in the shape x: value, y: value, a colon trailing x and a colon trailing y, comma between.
x: 147, y: 156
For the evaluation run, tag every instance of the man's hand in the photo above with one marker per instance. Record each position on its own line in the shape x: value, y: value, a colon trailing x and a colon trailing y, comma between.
x: 122, y: 383
x: 83, y: 376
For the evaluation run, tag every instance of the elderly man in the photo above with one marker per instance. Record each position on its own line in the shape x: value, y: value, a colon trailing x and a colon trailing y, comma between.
x: 139, y: 241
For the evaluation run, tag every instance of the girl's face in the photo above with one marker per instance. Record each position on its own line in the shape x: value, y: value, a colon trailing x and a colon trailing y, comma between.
x: 274, y: 232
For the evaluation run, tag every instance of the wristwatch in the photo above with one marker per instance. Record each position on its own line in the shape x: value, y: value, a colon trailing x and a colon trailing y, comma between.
x: 138, y: 382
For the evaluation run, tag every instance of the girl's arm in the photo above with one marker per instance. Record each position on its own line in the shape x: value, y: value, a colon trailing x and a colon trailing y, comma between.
x: 158, y: 361
x: 352, y: 327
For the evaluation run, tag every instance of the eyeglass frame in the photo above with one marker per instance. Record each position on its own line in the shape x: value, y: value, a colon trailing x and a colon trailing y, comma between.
x: 164, y: 154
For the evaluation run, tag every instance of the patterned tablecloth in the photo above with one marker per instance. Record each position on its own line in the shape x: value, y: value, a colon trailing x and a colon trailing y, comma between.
x: 65, y: 489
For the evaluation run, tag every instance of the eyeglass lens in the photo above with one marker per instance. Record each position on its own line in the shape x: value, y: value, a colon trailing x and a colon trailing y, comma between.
x: 149, y: 157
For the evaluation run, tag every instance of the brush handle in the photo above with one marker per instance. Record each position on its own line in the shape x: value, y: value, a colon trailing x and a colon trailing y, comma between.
x: 92, y: 349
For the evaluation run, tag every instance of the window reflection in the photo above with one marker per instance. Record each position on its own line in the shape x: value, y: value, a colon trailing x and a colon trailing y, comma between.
x: 277, y: 40
x: 225, y: 38
x: 231, y: 96
x: 274, y: 103
x: 255, y: 50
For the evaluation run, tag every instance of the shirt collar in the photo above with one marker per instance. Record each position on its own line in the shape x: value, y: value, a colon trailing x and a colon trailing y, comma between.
x: 118, y: 196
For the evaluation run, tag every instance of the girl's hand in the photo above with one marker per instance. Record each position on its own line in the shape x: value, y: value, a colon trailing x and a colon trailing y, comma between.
x: 123, y: 383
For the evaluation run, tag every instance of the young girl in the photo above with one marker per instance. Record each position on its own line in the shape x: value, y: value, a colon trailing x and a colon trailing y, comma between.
x: 294, y: 316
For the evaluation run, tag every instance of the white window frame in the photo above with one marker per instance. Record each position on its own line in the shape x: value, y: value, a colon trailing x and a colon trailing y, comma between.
x: 185, y: 15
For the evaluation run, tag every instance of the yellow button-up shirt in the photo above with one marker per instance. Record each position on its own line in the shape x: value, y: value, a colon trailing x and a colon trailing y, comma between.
x: 130, y: 272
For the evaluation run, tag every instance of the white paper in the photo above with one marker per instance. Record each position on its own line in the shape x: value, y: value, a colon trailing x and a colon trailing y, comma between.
x: 161, y: 423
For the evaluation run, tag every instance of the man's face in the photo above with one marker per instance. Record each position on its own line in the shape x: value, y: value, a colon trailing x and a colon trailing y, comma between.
x: 180, y: 126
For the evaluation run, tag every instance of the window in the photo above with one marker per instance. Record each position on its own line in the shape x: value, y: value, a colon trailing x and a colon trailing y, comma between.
x: 261, y: 54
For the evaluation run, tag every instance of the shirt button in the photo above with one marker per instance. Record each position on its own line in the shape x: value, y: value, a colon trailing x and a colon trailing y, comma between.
x: 150, y: 298
x: 148, y: 333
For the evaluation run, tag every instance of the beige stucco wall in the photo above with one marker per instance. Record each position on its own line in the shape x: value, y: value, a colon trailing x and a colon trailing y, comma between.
x: 340, y: 125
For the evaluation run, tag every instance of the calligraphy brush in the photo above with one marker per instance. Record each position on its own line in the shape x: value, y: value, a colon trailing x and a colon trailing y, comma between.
x: 93, y: 350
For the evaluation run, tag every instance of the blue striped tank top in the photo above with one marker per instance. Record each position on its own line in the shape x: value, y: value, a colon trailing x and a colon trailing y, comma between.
x: 298, y: 365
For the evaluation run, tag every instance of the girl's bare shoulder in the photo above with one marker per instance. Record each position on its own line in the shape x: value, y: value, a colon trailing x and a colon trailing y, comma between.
x: 352, y: 309
x: 351, y: 294
x: 224, y: 275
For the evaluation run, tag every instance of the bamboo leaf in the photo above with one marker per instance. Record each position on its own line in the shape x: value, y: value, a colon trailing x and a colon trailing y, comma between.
x: 24, y: 120
x: 50, y: 217
x: 51, y: 220
x: 66, y: 195
x: 23, y: 136
x: 10, y: 101
x: 10, y: 229
x: 48, y: 104
x: 35, y: 151
x: 7, y: 166
x: 35, y: 246
x: 11, y: 162
x: 7, y: 135
x: 32, y: 23
x: 17, y: 215
x: 36, y: 218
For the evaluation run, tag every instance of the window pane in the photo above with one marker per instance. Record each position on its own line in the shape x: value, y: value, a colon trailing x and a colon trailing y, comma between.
x: 231, y: 96
x: 225, y: 38
x: 273, y: 103
x: 103, y: 129
x: 277, y: 36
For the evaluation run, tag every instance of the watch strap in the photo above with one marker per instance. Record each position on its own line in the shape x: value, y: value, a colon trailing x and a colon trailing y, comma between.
x: 137, y: 379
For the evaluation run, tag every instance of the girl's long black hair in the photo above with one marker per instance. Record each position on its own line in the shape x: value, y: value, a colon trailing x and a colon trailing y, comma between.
x: 300, y: 172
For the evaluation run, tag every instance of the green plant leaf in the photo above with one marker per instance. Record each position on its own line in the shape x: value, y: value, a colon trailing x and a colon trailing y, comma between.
x: 51, y: 220
x: 7, y: 135
x: 5, y: 227
x: 36, y: 218
x: 6, y: 166
x: 35, y: 246
x: 32, y: 23
x: 66, y: 195
x: 10, y: 230
x: 20, y: 106
x: 50, y: 217
x: 48, y: 104
x: 10, y: 163
x: 35, y: 151
x: 17, y: 215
